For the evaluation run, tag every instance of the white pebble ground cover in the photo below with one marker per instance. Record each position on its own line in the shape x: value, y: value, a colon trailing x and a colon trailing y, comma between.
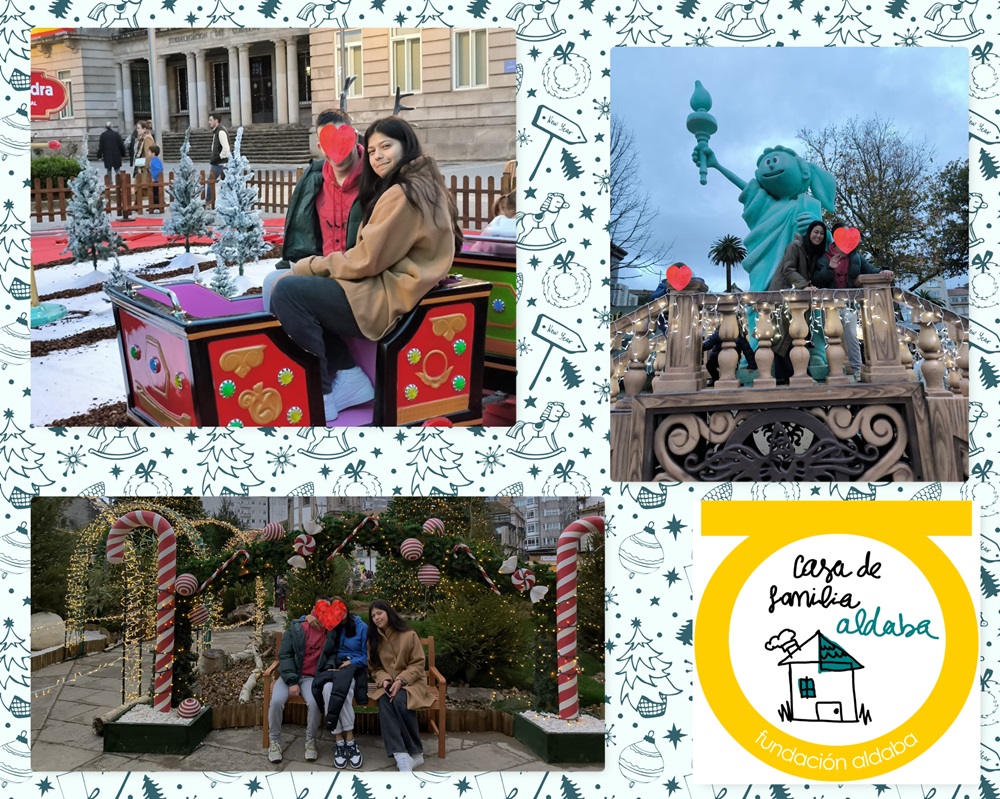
x: 144, y: 714
x: 550, y: 722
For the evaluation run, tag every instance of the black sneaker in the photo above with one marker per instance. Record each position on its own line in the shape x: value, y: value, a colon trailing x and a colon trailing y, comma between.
x: 354, y: 754
x: 340, y: 755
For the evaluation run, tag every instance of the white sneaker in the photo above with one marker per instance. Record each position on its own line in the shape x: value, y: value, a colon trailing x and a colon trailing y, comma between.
x: 404, y: 761
x: 311, y: 751
x: 329, y: 407
x: 274, y: 752
x: 351, y: 387
x: 418, y: 760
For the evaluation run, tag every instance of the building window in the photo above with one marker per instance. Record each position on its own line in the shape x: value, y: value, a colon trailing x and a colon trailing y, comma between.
x: 64, y: 78
x: 352, y: 57
x: 181, y: 77
x: 470, y: 59
x: 305, y: 78
x: 142, y: 99
x: 220, y: 85
x: 405, y: 54
x: 807, y: 688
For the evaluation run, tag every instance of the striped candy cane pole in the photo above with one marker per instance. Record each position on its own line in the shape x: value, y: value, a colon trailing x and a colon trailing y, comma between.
x: 354, y: 532
x: 566, y: 554
x: 237, y: 554
x: 166, y: 565
x: 465, y: 548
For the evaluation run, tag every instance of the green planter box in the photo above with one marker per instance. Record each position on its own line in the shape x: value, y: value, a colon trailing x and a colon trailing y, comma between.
x: 559, y: 747
x: 158, y: 739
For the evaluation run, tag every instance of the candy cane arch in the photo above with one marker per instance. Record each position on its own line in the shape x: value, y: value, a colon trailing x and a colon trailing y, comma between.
x: 238, y: 553
x: 465, y: 548
x: 566, y: 554
x: 354, y: 532
x: 166, y: 565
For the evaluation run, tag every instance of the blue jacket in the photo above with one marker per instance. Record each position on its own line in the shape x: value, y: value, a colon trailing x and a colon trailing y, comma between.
x: 355, y: 649
x: 660, y: 291
x: 155, y: 167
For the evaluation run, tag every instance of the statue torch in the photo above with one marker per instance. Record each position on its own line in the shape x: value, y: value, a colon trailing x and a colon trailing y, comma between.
x: 701, y: 123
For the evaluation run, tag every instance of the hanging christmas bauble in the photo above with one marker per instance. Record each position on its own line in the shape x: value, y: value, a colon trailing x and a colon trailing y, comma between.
x: 434, y: 527
x: 186, y: 584
x: 189, y: 708
x: 272, y: 532
x: 304, y: 544
x: 411, y: 549
x: 641, y: 553
x: 642, y: 761
x: 429, y: 575
x: 199, y: 616
x: 523, y: 579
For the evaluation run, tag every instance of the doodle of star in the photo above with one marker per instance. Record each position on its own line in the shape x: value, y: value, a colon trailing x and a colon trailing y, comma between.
x: 796, y: 5
x: 192, y: 436
x: 190, y: 19
x: 27, y: 183
x: 881, y: 789
x: 397, y: 491
x: 819, y: 19
x: 167, y: 452
x: 610, y: 598
x: 26, y: 392
x: 534, y: 52
x: 603, y: 391
x: 675, y: 735
x: 531, y: 302
x: 478, y: 432
x: 585, y: 452
x: 26, y: 601
x: 603, y: 108
x: 523, y: 347
x: 606, y: 491
x: 674, y: 526
x: 586, y: 35
x: 281, y: 460
x: 169, y: 4
x: 603, y: 182
x: 116, y: 470
x: 463, y: 786
x: 529, y: 194
x: 491, y: 459
x: 795, y: 34
x: 325, y: 471
x: 699, y: 38
x: 587, y: 213
x: 534, y: 261
x: 609, y: 736
x: 400, y: 19
x: 71, y: 460
x: 401, y: 436
x: 587, y: 5
x: 188, y: 491
x: 585, y: 243
x: 654, y: 601
x: 599, y: 137
x: 530, y: 402
x: 610, y: 645
x: 376, y: 452
x: 605, y: 73
x: 254, y: 786
x: 605, y: 281
x: 59, y: 431
x: 587, y: 421
x: 609, y: 18
x: 532, y: 92
x: 908, y: 39
x: 672, y: 577
x: 815, y: 491
x: 671, y: 786
x: 599, y: 346
x: 44, y: 786
x: 533, y: 471
x: 602, y: 316
x: 270, y: 432
x: 523, y: 137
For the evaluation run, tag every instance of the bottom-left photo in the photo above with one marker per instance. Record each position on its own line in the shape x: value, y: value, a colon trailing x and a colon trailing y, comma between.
x: 264, y: 634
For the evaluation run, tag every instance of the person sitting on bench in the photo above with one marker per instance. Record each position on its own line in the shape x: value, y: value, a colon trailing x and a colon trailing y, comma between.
x: 408, y: 239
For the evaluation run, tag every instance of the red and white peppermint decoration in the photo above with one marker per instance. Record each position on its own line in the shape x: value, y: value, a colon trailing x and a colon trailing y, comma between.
x: 186, y: 584
x: 304, y: 544
x: 189, y: 708
x: 272, y: 532
x: 199, y: 616
x: 411, y: 549
x: 434, y: 527
x: 523, y: 579
x: 429, y: 575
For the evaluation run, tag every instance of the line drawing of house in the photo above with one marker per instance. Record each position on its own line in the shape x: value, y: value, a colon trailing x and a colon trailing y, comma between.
x: 820, y: 679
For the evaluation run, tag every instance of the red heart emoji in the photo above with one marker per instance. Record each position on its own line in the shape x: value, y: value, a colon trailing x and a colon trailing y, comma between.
x: 679, y: 275
x: 846, y: 238
x: 329, y: 614
x: 336, y: 142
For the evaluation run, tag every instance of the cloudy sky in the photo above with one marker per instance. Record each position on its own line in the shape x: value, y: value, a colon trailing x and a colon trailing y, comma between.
x: 761, y: 97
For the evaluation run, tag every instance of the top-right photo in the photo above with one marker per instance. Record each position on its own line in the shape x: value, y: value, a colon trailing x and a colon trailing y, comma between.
x: 790, y: 233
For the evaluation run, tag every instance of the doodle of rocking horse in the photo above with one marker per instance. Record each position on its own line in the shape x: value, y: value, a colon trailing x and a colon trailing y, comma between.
x: 317, y: 14
x: 738, y: 13
x: 108, y: 14
x: 536, y: 22
x: 538, y: 231
x: 947, y: 13
x: 544, y: 429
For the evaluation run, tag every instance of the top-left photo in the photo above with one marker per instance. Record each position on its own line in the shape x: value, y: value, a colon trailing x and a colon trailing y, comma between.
x: 301, y: 227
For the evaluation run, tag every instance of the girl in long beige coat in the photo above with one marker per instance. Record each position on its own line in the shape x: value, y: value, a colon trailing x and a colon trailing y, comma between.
x: 396, y: 660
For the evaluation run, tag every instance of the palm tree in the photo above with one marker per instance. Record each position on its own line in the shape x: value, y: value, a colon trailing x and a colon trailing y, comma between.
x: 728, y: 250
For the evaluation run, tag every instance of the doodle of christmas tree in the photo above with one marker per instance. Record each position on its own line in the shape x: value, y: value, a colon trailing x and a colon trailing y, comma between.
x: 429, y: 15
x: 359, y: 790
x: 224, y: 455
x: 18, y: 457
x: 13, y: 27
x: 642, y: 671
x: 15, y: 658
x: 150, y: 790
x: 12, y: 231
x: 269, y: 8
x: 639, y: 25
x: 239, y: 233
x: 987, y: 374
x: 850, y: 26
x: 222, y: 14
x: 434, y: 458
x: 988, y: 165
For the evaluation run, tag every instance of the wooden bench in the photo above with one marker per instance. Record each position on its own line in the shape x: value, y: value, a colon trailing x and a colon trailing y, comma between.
x: 435, y: 681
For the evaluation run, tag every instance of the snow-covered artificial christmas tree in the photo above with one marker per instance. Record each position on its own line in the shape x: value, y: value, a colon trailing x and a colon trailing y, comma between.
x: 117, y: 276
x: 239, y: 232
x: 88, y: 229
x: 188, y: 214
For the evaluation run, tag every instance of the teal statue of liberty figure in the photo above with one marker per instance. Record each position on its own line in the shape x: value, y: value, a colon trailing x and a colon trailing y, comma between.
x: 786, y: 193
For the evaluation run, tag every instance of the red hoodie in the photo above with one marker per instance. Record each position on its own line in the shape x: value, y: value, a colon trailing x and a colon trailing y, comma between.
x: 333, y: 205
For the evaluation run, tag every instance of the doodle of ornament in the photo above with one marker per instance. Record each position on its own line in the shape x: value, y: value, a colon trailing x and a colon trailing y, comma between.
x: 641, y: 761
x: 566, y: 74
x: 356, y: 482
x: 641, y: 553
x: 304, y: 544
x: 566, y: 283
x: 10, y: 770
x: 984, y: 79
x: 411, y: 549
x: 566, y: 481
x: 186, y: 584
x: 429, y: 575
x: 147, y: 482
x: 433, y: 527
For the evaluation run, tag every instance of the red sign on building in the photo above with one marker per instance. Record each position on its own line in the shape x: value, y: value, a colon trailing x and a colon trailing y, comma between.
x: 48, y: 95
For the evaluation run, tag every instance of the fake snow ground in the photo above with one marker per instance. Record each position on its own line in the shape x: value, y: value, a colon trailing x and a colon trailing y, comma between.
x: 72, y: 381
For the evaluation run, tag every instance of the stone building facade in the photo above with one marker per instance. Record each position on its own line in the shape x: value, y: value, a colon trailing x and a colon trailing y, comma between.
x: 462, y: 80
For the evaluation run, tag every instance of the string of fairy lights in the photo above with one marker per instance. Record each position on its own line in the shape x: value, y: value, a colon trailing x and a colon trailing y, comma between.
x: 71, y: 678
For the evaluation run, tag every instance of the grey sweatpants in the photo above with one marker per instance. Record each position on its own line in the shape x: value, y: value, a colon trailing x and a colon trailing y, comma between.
x: 279, y: 695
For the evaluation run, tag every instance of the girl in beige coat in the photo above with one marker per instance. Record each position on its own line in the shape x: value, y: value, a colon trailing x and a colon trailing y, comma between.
x: 396, y: 660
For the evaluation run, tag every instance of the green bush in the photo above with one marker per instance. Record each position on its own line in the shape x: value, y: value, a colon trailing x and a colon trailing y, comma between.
x: 480, y: 637
x: 590, y: 598
x: 54, y: 166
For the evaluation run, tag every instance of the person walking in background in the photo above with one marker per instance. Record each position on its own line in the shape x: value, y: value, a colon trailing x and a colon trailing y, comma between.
x: 111, y: 150
x: 220, y: 154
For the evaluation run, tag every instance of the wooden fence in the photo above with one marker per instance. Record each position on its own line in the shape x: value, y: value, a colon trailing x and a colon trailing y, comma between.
x: 129, y: 195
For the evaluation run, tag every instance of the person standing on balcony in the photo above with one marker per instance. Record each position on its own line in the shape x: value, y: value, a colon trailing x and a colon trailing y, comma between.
x: 220, y: 154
